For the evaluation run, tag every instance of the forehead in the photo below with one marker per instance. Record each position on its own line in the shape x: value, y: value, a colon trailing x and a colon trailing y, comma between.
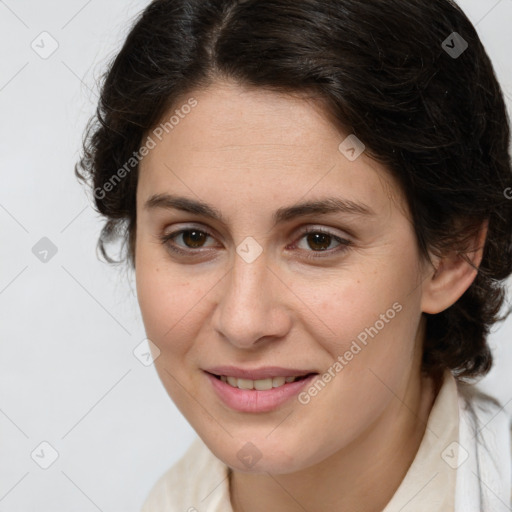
x: 258, y: 140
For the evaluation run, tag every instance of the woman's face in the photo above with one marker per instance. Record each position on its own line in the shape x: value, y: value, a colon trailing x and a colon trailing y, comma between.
x: 255, y: 283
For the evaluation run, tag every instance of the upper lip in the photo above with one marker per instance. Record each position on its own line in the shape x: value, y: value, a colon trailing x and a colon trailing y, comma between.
x: 257, y: 373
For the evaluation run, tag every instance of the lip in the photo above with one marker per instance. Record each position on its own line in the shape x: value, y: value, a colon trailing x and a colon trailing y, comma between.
x: 253, y: 401
x: 258, y: 373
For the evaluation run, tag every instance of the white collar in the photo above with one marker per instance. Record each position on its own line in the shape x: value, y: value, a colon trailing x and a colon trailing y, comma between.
x: 485, y: 472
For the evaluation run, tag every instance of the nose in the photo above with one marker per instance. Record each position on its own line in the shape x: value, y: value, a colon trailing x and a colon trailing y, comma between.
x: 251, y: 308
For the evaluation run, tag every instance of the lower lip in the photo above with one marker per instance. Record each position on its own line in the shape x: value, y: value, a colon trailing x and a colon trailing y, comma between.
x: 251, y: 400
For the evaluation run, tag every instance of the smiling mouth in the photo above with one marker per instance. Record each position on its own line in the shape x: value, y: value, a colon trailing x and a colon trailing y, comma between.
x: 260, y: 384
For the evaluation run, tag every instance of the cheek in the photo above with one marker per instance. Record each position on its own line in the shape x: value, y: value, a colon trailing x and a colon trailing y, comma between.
x: 350, y: 305
x: 166, y: 301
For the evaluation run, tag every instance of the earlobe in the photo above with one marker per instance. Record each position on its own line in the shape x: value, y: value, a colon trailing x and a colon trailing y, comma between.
x: 452, y: 275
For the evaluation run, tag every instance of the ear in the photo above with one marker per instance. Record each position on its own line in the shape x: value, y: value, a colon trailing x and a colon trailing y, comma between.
x: 454, y: 273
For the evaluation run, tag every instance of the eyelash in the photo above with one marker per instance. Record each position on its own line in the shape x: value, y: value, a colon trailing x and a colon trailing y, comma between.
x: 344, y: 244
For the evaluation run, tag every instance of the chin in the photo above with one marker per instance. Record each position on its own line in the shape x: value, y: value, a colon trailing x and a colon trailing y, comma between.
x: 258, y: 454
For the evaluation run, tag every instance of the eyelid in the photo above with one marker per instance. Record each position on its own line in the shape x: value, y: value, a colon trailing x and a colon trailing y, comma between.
x: 343, y: 243
x: 166, y: 238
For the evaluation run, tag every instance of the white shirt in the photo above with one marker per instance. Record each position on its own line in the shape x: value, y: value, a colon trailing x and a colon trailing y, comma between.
x: 198, y: 482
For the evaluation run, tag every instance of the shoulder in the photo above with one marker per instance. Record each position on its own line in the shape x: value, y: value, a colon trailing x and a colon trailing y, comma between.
x: 188, y: 482
x: 490, y: 428
x: 483, y: 406
x: 485, y: 411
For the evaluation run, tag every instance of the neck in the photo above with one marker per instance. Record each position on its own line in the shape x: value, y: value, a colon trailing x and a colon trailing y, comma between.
x: 361, y: 477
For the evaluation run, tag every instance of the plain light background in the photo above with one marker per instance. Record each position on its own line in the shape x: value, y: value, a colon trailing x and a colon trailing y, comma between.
x: 69, y: 326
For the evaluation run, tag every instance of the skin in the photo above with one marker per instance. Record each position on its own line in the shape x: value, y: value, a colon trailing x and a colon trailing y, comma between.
x: 249, y: 152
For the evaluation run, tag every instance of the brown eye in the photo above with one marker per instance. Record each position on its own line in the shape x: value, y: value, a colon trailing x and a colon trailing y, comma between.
x: 185, y: 241
x: 315, y: 243
x: 194, y: 238
x: 319, y: 241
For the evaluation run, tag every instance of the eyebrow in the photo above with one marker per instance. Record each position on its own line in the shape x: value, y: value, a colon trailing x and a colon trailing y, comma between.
x: 318, y: 207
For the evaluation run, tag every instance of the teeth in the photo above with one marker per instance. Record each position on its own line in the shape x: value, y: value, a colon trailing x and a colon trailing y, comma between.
x: 245, y: 384
x: 279, y: 381
x: 259, y: 385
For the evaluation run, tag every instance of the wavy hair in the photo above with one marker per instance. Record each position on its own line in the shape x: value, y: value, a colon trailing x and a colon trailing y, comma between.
x: 393, y: 73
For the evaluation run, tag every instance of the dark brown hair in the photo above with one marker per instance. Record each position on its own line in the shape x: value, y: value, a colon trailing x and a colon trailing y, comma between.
x: 393, y: 73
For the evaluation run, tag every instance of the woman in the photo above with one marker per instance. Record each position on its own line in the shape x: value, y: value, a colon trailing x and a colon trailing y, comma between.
x: 313, y: 197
